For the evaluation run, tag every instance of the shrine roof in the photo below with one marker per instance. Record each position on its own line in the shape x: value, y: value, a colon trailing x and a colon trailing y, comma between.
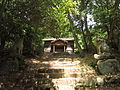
x: 52, y: 39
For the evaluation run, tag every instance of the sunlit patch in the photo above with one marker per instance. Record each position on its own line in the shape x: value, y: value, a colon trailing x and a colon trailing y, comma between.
x: 35, y: 61
x: 65, y: 83
x: 45, y: 62
x: 64, y: 72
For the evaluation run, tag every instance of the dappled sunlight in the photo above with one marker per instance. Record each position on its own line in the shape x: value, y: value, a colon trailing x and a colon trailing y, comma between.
x: 58, y: 73
x: 64, y: 72
x: 65, y: 83
x: 59, y: 44
x: 35, y: 61
x: 71, y: 73
x: 71, y: 76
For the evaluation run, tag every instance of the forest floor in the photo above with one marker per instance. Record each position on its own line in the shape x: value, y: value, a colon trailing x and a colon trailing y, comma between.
x: 56, y: 71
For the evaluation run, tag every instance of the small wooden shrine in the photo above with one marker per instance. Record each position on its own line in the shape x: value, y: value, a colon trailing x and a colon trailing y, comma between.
x: 59, y: 45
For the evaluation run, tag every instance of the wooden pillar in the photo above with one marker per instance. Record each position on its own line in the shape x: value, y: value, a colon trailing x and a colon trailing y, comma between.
x: 64, y: 49
x: 53, y: 48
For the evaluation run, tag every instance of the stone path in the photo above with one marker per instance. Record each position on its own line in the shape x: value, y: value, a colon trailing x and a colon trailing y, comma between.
x: 55, y: 72
x: 62, y: 73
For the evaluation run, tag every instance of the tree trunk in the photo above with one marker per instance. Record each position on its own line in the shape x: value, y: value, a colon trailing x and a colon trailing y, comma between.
x: 89, y: 44
x: 84, y: 37
x: 2, y: 8
x: 76, y: 41
x: 2, y: 45
x: 74, y: 33
x: 119, y: 44
x: 114, y: 32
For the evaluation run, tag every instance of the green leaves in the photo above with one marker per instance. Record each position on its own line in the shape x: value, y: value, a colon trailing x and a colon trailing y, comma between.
x: 49, y: 18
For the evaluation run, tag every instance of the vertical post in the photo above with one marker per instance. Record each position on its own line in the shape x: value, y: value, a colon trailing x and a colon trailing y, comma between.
x: 53, y: 48
x: 64, y: 49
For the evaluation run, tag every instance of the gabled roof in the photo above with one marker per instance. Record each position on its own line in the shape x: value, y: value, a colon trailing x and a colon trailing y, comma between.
x: 64, y: 39
x: 59, y: 42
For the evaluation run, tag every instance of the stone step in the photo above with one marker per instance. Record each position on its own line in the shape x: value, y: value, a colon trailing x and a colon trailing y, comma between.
x: 56, y: 75
x: 90, y: 81
x: 59, y: 75
x: 66, y: 81
x: 54, y: 65
x: 59, y: 67
x: 44, y: 81
x: 58, y: 81
x: 50, y: 70
x: 61, y: 60
x: 65, y: 87
x: 45, y: 86
x: 64, y: 71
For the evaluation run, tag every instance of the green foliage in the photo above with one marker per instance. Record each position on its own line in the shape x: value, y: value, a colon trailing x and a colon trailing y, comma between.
x: 90, y: 62
x: 23, y: 18
x: 39, y: 19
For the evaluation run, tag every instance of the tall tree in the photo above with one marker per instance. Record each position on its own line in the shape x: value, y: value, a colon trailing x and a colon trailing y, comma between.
x: 107, y: 13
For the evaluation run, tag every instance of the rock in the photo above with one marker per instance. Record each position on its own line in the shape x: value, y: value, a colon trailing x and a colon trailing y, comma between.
x: 103, y: 56
x: 105, y: 47
x: 108, y: 67
x: 100, y: 81
x: 112, y: 80
x: 97, y: 56
x: 90, y: 82
x: 87, y: 82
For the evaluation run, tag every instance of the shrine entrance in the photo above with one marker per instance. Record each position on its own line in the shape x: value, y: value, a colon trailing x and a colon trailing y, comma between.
x: 58, y: 46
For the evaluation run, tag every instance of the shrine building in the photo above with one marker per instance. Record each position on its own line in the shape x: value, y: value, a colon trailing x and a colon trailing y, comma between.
x: 59, y: 45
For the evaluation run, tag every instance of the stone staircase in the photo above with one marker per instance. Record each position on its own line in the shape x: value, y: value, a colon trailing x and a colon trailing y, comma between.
x: 59, y: 72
